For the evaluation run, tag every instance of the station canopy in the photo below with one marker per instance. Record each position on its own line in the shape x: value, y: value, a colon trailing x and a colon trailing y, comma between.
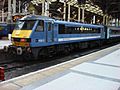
x: 4, y: 4
x: 100, y: 7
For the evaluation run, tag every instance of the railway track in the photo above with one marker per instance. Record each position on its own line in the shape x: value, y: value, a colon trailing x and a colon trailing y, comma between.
x: 14, y: 68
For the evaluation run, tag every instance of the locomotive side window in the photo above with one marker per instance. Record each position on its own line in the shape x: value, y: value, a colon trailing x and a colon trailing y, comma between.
x: 61, y: 29
x: 115, y: 32
x: 40, y: 26
x: 77, y: 30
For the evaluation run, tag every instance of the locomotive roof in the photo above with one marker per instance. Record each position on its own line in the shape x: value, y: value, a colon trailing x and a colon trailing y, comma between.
x: 37, y: 17
x: 78, y: 23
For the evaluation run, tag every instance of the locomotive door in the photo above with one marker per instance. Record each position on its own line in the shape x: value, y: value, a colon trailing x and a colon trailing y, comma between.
x: 49, y: 32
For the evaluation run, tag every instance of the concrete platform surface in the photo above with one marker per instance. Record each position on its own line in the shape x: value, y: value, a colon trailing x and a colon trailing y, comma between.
x: 4, y: 43
x: 100, y: 71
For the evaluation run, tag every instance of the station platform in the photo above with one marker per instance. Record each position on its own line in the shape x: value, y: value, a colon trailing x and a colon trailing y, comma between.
x: 96, y: 71
x: 4, y: 43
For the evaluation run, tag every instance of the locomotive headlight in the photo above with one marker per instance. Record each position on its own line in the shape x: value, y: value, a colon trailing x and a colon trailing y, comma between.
x: 23, y: 40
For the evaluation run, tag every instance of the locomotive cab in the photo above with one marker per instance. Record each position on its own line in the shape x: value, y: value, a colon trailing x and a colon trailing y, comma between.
x: 31, y: 33
x: 22, y: 32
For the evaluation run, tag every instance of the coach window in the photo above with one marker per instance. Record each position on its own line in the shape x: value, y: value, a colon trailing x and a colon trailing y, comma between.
x: 40, y: 26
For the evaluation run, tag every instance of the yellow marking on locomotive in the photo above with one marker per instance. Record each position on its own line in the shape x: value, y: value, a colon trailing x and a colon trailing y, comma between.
x: 21, y: 43
x: 21, y: 33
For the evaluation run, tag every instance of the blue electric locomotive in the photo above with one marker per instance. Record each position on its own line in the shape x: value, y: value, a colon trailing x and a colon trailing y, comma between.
x: 38, y: 35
